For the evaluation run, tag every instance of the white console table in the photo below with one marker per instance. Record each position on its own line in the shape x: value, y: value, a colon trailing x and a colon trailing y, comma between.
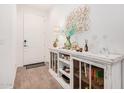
x: 87, y: 70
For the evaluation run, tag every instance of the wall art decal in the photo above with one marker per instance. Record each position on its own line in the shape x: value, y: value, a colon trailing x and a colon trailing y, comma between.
x: 79, y: 17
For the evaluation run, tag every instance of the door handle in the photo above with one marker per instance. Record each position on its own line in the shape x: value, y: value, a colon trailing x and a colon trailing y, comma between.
x: 25, y: 41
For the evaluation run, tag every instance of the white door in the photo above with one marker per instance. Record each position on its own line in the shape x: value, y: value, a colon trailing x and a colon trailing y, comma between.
x: 33, y: 39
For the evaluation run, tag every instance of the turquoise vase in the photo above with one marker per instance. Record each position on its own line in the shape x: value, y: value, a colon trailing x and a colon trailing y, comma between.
x: 68, y: 43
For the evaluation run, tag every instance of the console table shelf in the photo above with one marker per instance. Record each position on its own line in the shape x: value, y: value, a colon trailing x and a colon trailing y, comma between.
x: 81, y: 70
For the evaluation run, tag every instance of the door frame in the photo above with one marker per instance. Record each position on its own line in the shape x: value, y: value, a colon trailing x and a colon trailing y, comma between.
x: 20, y: 38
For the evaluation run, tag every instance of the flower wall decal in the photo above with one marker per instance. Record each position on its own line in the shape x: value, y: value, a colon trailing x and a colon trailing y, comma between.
x: 80, y: 17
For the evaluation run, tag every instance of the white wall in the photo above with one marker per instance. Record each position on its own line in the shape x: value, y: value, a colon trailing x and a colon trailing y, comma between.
x: 7, y: 45
x: 106, y: 26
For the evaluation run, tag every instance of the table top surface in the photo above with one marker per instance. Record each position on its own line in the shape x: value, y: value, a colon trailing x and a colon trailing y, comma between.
x: 110, y: 58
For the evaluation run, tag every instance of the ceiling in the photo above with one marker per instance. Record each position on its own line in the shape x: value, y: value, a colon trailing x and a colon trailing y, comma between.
x: 42, y: 7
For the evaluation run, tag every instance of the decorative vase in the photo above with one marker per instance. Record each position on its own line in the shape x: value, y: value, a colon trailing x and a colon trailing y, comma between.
x: 68, y: 43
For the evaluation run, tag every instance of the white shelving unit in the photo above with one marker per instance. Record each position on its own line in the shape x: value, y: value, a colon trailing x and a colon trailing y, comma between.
x: 64, y: 61
x: 65, y: 73
x: 63, y: 83
x: 87, y: 70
